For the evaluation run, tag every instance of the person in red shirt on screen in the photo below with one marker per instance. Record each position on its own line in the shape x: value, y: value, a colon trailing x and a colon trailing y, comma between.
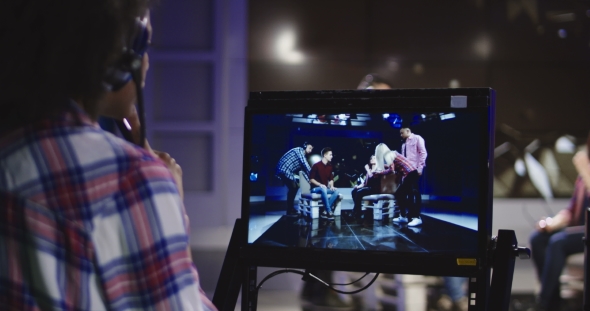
x: 322, y: 179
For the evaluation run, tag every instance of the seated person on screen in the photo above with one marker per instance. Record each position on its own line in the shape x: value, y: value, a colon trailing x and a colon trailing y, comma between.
x: 103, y: 214
x: 369, y: 186
x: 559, y: 236
x: 390, y: 161
x: 322, y: 180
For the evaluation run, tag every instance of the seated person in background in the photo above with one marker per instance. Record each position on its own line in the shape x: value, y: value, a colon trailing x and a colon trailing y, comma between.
x: 370, y: 185
x: 322, y: 179
x: 390, y: 161
x: 560, y: 236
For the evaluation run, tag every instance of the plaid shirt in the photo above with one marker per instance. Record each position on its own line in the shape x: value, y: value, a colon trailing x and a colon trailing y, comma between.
x: 402, y: 164
x: 90, y: 222
x: 292, y: 162
x: 579, y: 202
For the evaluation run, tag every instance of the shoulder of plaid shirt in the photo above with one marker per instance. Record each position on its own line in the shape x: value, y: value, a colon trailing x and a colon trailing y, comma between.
x: 90, y: 222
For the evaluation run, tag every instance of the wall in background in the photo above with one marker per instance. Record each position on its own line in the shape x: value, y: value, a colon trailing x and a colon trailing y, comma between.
x: 535, y: 54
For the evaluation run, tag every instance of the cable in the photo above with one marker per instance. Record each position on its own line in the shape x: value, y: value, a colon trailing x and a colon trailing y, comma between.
x: 277, y: 273
x: 273, y: 274
x: 136, y: 75
x: 354, y: 291
x: 362, y: 277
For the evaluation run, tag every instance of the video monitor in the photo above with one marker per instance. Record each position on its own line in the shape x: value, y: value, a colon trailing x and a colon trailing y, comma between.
x: 407, y: 177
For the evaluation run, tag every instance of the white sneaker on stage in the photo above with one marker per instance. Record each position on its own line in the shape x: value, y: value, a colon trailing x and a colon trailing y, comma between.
x: 415, y: 222
x: 400, y: 219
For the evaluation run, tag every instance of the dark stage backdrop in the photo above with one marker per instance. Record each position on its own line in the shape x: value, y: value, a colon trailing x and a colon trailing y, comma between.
x: 534, y: 53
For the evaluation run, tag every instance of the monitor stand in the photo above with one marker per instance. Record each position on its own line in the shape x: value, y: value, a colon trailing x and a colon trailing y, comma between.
x: 505, y: 249
x: 235, y: 273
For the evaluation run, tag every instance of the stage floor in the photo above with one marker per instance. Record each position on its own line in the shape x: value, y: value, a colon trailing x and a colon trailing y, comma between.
x: 434, y: 235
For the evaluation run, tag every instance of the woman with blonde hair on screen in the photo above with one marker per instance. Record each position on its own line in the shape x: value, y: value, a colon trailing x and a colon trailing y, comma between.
x: 390, y: 161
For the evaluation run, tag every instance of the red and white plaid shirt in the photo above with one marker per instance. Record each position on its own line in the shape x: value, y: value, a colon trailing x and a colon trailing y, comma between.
x: 90, y: 222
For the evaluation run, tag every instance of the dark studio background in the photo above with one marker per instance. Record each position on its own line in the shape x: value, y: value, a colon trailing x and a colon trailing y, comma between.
x: 534, y: 53
x: 208, y: 54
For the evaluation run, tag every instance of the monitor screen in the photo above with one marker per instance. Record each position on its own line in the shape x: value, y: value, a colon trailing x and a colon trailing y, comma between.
x: 339, y: 175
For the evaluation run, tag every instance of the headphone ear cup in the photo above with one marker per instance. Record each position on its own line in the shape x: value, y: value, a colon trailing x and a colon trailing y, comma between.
x: 119, y: 74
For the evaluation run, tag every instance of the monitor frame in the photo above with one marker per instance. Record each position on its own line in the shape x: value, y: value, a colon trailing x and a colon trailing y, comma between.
x: 478, y: 100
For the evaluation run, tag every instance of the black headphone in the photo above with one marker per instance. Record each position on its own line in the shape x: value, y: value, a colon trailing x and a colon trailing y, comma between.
x: 128, y: 68
x: 305, y: 145
x: 136, y: 44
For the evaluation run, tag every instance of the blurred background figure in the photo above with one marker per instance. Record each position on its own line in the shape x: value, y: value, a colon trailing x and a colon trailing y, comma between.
x: 374, y: 81
x: 560, y: 236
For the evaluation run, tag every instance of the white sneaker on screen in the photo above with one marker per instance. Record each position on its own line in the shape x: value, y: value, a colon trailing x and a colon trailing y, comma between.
x: 415, y: 222
x: 400, y: 219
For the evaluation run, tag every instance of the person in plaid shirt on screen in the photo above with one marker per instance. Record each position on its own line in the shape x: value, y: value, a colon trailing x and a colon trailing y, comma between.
x: 88, y: 221
x: 288, y: 167
x: 398, y: 164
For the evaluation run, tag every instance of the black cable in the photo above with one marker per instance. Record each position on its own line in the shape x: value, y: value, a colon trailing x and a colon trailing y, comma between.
x: 362, y: 277
x: 277, y: 273
x: 136, y: 74
x: 320, y: 280
x: 354, y: 291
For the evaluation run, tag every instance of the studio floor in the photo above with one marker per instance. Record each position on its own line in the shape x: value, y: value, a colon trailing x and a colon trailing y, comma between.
x: 434, y: 235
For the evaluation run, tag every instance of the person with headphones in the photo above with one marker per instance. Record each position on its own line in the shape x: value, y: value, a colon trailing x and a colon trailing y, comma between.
x: 288, y: 169
x: 88, y: 221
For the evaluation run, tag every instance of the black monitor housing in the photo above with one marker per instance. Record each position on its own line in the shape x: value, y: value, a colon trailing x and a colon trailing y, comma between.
x: 458, y: 128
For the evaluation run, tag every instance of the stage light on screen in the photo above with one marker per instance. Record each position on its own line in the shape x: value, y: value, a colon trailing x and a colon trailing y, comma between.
x: 285, y: 47
x: 394, y: 120
x: 385, y: 116
x: 253, y: 176
x: 447, y: 116
x: 314, y: 158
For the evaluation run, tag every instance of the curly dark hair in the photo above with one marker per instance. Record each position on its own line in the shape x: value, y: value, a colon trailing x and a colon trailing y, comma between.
x: 53, y: 50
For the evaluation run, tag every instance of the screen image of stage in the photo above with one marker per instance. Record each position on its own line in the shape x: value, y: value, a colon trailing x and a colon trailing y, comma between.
x: 449, y: 184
